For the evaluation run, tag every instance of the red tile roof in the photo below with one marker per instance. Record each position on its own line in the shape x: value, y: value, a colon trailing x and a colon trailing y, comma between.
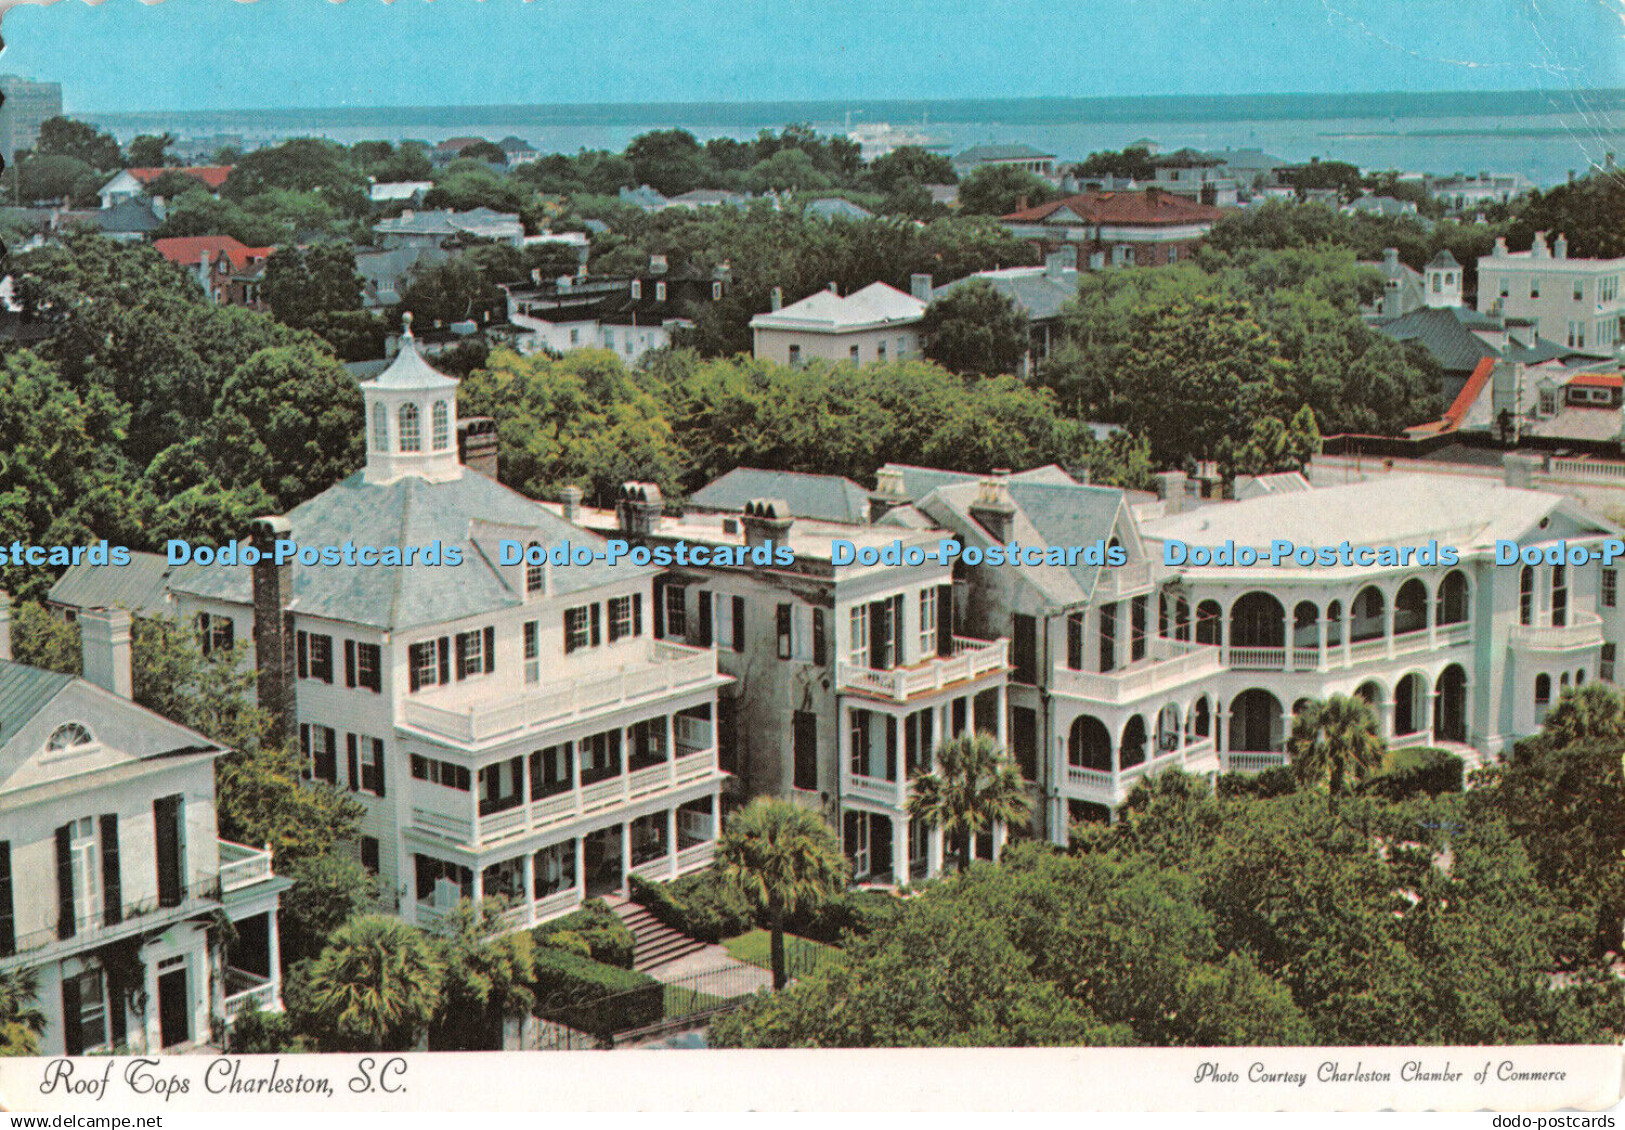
x: 188, y: 249
x: 212, y: 176
x: 1451, y: 420
x: 1149, y: 208
x: 1596, y: 380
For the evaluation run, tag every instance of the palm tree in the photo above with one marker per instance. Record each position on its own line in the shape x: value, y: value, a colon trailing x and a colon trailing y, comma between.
x: 975, y: 785
x: 782, y: 857
x: 22, y: 1022
x: 1335, y: 740
x: 1593, y: 712
x: 376, y: 986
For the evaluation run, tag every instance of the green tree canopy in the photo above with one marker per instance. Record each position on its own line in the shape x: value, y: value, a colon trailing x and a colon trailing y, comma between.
x: 375, y: 987
x: 65, y: 137
x: 975, y: 329
x: 998, y: 190
x: 972, y: 786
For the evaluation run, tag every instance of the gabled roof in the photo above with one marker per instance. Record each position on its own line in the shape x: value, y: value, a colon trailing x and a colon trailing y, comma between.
x: 834, y: 207
x: 920, y: 481
x: 980, y: 154
x: 1444, y: 332
x: 410, y: 511
x: 1128, y: 209
x: 828, y: 312
x: 211, y: 176
x: 130, y: 216
x: 138, y: 586
x: 1035, y: 292
x: 187, y: 250
x: 829, y: 498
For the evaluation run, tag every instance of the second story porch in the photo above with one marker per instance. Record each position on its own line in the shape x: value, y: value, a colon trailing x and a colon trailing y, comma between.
x: 969, y: 660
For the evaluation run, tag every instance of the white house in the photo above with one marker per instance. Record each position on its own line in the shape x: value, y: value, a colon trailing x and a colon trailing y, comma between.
x: 877, y: 323
x: 112, y: 875
x: 513, y: 730
x: 1573, y: 301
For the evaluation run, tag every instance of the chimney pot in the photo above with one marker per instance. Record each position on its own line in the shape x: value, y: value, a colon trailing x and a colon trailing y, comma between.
x: 778, y: 298
x: 766, y: 521
x: 638, y: 508
x: 104, y: 639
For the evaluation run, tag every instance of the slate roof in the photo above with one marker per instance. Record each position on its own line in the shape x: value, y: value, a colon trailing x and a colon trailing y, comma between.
x: 24, y: 691
x: 979, y: 154
x: 1444, y: 332
x: 138, y: 586
x: 921, y: 481
x: 829, y: 498
x: 409, y: 511
x: 132, y: 216
x: 826, y: 311
x: 1035, y: 292
x: 1443, y: 260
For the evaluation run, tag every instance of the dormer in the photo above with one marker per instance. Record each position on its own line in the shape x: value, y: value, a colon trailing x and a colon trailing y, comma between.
x: 411, y: 419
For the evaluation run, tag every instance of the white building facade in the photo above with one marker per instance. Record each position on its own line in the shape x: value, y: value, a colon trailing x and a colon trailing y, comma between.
x: 1576, y: 302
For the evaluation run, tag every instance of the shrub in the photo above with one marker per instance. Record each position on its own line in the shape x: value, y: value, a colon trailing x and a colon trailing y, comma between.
x: 703, y: 905
x: 263, y: 1033
x: 1410, y: 772
x: 857, y: 912
x: 593, y: 997
x: 608, y: 938
x: 1265, y: 784
x: 569, y: 941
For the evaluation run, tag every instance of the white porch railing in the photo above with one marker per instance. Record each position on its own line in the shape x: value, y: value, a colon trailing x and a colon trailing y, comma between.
x: 242, y: 866
x: 1584, y: 629
x: 1256, y: 658
x: 1253, y: 762
x: 876, y: 789
x: 971, y: 660
x: 561, y: 902
x: 1407, y: 741
x: 666, y: 667
x: 1177, y: 664
x: 1081, y: 778
x: 696, y: 857
x: 261, y: 996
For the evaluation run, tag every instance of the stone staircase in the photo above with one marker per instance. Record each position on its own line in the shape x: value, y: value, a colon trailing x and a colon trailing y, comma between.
x: 655, y: 943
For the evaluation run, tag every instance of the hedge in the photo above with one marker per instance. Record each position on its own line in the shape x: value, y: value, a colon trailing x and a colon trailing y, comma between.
x: 1278, y: 781
x: 855, y: 912
x: 593, y: 997
x: 1419, y: 770
x: 703, y: 905
x: 609, y: 939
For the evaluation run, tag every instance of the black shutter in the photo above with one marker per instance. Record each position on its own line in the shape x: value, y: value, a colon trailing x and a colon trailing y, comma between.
x: 228, y: 635
x: 1025, y: 645
x: 166, y: 813
x: 425, y: 876
x: 739, y: 623
x: 879, y: 640
x: 304, y: 654
x: 659, y: 610
x: 205, y: 641
x: 330, y: 755
x: 412, y: 654
x: 1074, y: 641
x: 490, y: 650
x: 806, y: 750
x: 349, y: 663
x: 637, y: 614
x: 597, y: 619
x: 782, y: 626
x: 355, y: 767
x: 64, y: 884
x: 820, y: 638
x: 462, y: 654
x: 73, y: 1039
x: 445, y: 660
x: 702, y: 629
x: 378, y: 757
x: 8, y: 914
x: 945, y: 620
x: 569, y: 640
x: 891, y: 748
x: 897, y: 630
x: 112, y: 888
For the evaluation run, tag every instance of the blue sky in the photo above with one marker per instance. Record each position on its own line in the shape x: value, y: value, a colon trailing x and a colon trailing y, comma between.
x: 224, y: 54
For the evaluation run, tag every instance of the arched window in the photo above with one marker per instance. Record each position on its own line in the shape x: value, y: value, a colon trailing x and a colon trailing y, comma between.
x: 69, y: 735
x: 1451, y: 607
x: 442, y: 426
x: 1543, y: 690
x: 380, y: 428
x: 533, y: 572
x: 411, y: 437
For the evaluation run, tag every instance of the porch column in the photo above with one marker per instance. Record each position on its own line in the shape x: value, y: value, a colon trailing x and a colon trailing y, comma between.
x: 1001, y: 721
x: 899, y: 850
x: 843, y: 744
x: 274, y: 949
x: 1388, y: 611
x: 671, y: 838
x: 479, y: 884
x: 671, y: 751
x: 575, y: 771
x: 526, y: 888
x: 1323, y: 660
x: 1386, y: 719
x: 581, y: 868
x: 1059, y: 833
x: 524, y: 790
x: 933, y: 852
x: 1001, y: 833
x: 1348, y: 632
x: 1431, y: 610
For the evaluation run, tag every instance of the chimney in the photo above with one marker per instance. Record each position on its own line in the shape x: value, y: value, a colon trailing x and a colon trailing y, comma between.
x: 1171, y: 489
x: 273, y: 623
x: 477, y: 445
x: 919, y: 285
x: 638, y: 508
x: 1538, y: 249
x: 888, y: 494
x: 834, y: 288
x: 1060, y: 261
x: 571, y: 497
x: 778, y: 298
x: 1500, y: 247
x: 1560, y: 248
x: 5, y: 625
x: 104, y: 639
x: 993, y: 507
x: 1390, y: 258
x: 767, y: 520
x: 1519, y: 469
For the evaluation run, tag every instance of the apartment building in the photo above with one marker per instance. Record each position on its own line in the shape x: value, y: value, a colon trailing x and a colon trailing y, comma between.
x: 1572, y: 301
x: 28, y: 105
x: 514, y: 729
x: 113, y: 879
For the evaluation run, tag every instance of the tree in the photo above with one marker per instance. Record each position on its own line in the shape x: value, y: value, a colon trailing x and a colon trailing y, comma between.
x: 783, y: 858
x: 64, y: 137
x: 1335, y: 740
x: 998, y: 190
x: 975, y: 329
x: 375, y: 987
x: 910, y: 165
x: 669, y: 161
x: 1592, y: 713
x: 453, y: 291
x: 328, y: 891
x: 974, y: 786
x: 488, y: 978
x: 22, y: 1021
x: 149, y: 151
x: 1590, y: 211
x: 483, y: 150
x: 1133, y: 162
x: 57, y: 177
x: 44, y: 641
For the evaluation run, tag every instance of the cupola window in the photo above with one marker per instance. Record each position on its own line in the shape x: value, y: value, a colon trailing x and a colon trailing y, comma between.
x: 411, y: 437
x: 380, y: 428
x: 442, y: 426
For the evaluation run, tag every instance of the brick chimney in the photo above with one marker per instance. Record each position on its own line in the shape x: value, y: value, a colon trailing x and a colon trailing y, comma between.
x: 778, y: 298
x: 273, y: 623
x: 477, y: 444
x: 1171, y: 489
x: 993, y: 507
x: 638, y: 508
x: 766, y: 520
x: 571, y: 497
x: 104, y: 642
x: 920, y: 287
x: 888, y: 494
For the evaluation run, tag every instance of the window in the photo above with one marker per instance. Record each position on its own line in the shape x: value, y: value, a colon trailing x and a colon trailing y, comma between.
x: 320, y: 747
x: 676, y: 611
x: 1108, y: 636
x: 625, y: 617
x: 551, y: 770
x: 820, y: 638
x: 1074, y: 641
x: 857, y: 652
x: 429, y: 663
x: 84, y: 1009
x: 8, y: 917
x: 535, y: 572
x: 716, y: 292
x: 855, y: 355
x: 1579, y: 290
x: 928, y: 622
x: 609, y: 339
x: 806, y: 750
x: 1610, y: 587
x: 362, y: 665
x: 1577, y: 335
x: 1548, y: 402
x: 1505, y: 288
x: 784, y: 620
x: 70, y: 735
x: 380, y: 428
x: 369, y: 854
x: 581, y: 627
x: 372, y: 765
x: 1605, y: 669
x: 660, y: 292
x: 476, y: 652
x: 794, y: 356
x: 215, y: 633
x: 600, y: 756
x: 880, y: 351
x: 411, y: 437
x: 902, y: 348
x: 575, y: 335
x: 554, y: 869
x: 315, y: 656
x: 1137, y: 612
x: 533, y: 651
x: 1560, y: 596
x: 1534, y: 286
x: 442, y: 773
x: 1543, y: 690
x: 1526, y: 596
x: 731, y: 622
x: 637, y: 289
x: 442, y: 426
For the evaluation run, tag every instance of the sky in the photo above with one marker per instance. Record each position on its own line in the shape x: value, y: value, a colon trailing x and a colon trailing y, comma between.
x: 121, y: 55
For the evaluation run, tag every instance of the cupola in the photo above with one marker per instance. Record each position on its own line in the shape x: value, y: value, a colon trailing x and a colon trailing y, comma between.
x: 411, y: 419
